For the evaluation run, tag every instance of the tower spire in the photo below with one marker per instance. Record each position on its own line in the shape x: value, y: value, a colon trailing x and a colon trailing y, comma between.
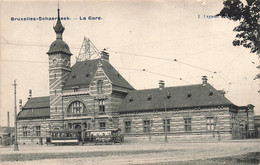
x: 58, y: 9
x: 58, y: 28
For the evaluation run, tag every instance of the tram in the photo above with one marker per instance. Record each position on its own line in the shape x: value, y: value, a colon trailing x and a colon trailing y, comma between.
x: 65, y: 137
x: 76, y: 137
x: 108, y: 136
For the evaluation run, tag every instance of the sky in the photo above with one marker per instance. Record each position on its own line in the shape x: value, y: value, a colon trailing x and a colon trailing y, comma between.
x: 142, y: 37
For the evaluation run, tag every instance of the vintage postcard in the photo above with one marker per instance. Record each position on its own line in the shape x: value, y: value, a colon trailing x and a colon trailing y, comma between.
x: 129, y: 82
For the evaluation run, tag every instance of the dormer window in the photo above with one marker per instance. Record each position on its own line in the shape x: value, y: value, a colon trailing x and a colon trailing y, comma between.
x: 99, y: 86
x: 149, y: 97
x: 75, y: 89
x: 189, y: 94
x: 131, y: 98
x: 210, y: 93
x: 168, y: 95
x: 74, y: 76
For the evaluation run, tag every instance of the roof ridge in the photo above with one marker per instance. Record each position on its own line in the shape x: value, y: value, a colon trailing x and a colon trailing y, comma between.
x: 168, y: 87
x: 40, y: 97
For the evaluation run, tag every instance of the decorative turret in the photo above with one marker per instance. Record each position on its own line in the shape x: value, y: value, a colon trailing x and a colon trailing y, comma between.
x: 59, y: 45
x: 58, y: 28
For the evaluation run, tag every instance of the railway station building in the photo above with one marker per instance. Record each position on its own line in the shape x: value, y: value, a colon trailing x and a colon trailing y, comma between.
x: 92, y: 95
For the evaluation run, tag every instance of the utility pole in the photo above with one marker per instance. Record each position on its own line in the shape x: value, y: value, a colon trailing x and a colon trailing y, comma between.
x: 8, y: 120
x: 15, y: 120
x: 161, y: 86
x: 165, y: 124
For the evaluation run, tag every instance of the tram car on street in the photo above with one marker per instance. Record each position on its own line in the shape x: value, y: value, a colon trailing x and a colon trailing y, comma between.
x: 65, y: 137
x: 108, y: 136
x: 76, y: 137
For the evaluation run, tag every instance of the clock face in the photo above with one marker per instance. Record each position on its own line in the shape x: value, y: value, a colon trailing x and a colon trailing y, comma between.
x: 55, y: 61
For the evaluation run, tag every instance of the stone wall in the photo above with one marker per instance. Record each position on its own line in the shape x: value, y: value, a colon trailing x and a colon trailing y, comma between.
x: 220, y: 117
x: 246, y: 115
x: 32, y: 137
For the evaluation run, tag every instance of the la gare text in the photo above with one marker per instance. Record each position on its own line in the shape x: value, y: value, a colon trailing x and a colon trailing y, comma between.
x: 90, y: 18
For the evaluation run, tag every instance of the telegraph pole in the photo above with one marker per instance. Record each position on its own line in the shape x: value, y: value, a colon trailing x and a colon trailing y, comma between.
x: 15, y: 120
x: 165, y: 124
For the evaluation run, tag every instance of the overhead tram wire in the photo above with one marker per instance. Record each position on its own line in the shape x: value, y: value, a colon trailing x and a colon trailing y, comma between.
x: 129, y: 69
x: 207, y: 49
x: 160, y: 58
x: 153, y: 57
x: 24, y: 61
x: 170, y: 40
x: 181, y: 79
x: 175, y: 60
x: 231, y: 61
x: 140, y: 55
x: 145, y: 70
x: 29, y: 44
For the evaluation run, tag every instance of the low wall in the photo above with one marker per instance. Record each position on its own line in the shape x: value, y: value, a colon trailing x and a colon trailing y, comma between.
x: 31, y: 141
x: 208, y: 137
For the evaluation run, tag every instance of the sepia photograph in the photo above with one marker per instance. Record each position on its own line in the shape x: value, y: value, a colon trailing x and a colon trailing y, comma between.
x: 123, y: 82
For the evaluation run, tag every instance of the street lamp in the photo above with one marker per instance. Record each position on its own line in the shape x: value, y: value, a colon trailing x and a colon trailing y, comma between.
x: 15, y: 118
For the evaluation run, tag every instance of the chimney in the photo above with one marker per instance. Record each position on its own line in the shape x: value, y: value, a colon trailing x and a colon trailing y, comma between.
x: 21, y: 104
x: 8, y: 119
x: 30, y: 93
x: 222, y: 92
x: 204, y: 80
x: 161, y: 84
x: 104, y: 55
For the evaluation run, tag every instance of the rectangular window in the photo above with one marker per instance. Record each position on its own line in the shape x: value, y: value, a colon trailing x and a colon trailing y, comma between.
x: 128, y: 127
x: 100, y: 86
x: 101, y: 106
x: 187, y: 124
x: 75, y: 89
x: 24, y: 131
x: 166, y: 125
x: 102, y: 125
x: 147, y: 126
x: 210, y: 123
x: 38, y: 130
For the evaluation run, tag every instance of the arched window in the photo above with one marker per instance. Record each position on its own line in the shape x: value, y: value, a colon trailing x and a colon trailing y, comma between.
x: 76, y: 107
x: 99, y: 86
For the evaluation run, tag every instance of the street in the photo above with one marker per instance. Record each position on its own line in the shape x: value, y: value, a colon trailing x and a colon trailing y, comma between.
x: 127, y: 153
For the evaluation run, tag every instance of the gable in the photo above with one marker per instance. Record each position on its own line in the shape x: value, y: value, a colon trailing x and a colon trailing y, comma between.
x: 100, y: 77
x: 83, y: 72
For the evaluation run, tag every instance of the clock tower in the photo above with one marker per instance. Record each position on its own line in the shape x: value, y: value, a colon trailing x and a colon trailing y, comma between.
x: 59, y: 70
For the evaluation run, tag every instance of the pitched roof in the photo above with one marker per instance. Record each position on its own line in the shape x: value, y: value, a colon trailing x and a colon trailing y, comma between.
x: 34, y: 113
x: 5, y: 130
x: 173, y: 97
x: 37, y: 102
x: 83, y: 72
x: 36, y: 107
